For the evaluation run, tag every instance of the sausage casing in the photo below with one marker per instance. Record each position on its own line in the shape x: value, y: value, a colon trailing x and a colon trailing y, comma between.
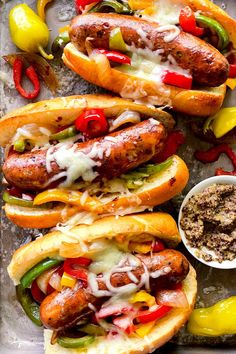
x: 123, y: 151
x: 206, y: 64
x: 61, y: 309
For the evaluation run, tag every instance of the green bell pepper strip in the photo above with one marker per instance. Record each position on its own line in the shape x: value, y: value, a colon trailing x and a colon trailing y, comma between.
x: 93, y: 330
x: 37, y: 270
x: 222, y: 34
x: 64, y: 134
x: 10, y: 199
x: 118, y: 7
x: 136, y: 178
x: 116, y: 41
x: 81, y: 342
x: 60, y: 42
x: 19, y: 145
x: 17, y: 201
x: 30, y: 307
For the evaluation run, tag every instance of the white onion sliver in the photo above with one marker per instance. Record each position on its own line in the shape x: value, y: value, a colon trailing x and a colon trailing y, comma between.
x: 125, y: 117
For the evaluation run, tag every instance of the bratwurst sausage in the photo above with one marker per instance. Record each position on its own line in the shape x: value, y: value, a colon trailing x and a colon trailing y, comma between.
x: 206, y: 64
x: 62, y: 309
x: 108, y: 157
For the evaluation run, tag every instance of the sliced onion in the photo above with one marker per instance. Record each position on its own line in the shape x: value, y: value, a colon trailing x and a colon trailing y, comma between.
x: 55, y: 281
x: 115, y: 309
x: 173, y: 298
x: 124, y: 118
x: 43, y: 279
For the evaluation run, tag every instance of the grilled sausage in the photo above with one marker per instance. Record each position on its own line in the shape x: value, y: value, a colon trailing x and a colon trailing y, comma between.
x: 206, y: 64
x: 62, y: 309
x: 114, y: 154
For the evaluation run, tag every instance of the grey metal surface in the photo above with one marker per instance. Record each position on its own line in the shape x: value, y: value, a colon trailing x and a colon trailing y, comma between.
x: 17, y: 333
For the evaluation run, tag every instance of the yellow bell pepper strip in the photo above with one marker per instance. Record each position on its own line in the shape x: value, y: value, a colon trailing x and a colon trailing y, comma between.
x: 140, y: 4
x: 140, y: 247
x: 41, y: 4
x: 143, y: 296
x: 67, y: 280
x: 64, y: 29
x: 231, y: 83
x: 217, y: 320
x: 222, y: 122
x: 69, y: 197
x: 144, y: 329
x: 28, y: 31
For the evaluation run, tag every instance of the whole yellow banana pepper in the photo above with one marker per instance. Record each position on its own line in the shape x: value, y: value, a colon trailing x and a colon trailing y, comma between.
x: 28, y: 31
x: 216, y: 320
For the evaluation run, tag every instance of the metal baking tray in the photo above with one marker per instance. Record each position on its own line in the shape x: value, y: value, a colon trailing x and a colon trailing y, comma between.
x: 17, y: 333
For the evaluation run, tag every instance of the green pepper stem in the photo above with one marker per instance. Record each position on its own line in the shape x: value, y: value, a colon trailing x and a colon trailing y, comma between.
x: 44, y: 54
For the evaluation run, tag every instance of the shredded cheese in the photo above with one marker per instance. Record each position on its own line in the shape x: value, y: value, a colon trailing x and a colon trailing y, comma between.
x: 73, y: 161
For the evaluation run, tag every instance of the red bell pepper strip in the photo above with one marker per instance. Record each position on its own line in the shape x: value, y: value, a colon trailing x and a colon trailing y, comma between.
x: 232, y: 70
x: 154, y: 313
x: 116, y: 56
x: 15, y: 191
x: 32, y: 76
x: 178, y: 80
x: 75, y: 267
x: 213, y: 154
x: 187, y: 21
x: 37, y: 294
x: 158, y: 246
x: 174, y: 140
x: 92, y: 122
x: 80, y: 4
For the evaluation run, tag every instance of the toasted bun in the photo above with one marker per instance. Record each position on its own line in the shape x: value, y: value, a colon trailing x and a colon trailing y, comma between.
x: 159, y: 225
x: 158, y: 189
x: 39, y: 218
x: 202, y: 102
x: 63, y: 111
x: 163, y: 331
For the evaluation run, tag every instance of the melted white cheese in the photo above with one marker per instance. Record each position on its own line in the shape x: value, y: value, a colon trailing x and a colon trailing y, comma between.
x: 74, y: 163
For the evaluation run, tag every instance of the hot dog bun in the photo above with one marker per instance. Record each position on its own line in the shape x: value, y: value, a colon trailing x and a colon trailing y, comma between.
x: 160, y: 225
x: 62, y: 111
x: 198, y: 101
x: 158, y: 189
x: 133, y: 227
x: 203, y: 102
x: 163, y: 331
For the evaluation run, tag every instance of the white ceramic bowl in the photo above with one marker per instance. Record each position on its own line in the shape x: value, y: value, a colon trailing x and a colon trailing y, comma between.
x: 197, y: 189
